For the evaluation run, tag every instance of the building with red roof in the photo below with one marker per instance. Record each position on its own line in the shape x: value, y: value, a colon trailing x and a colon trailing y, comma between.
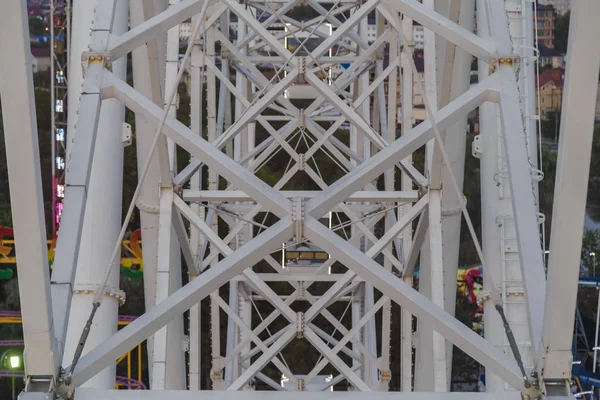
x: 550, y: 85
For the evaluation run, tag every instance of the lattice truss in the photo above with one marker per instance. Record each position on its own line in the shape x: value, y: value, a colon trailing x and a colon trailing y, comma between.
x: 373, y: 205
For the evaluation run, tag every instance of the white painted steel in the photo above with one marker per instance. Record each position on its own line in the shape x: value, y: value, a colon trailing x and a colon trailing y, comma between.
x: 102, y: 219
x: 226, y: 147
x: 94, y: 394
x: 576, y: 134
x: 147, y: 64
x: 23, y: 163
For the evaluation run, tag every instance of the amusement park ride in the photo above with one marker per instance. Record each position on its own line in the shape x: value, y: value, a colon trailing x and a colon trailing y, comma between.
x: 226, y: 225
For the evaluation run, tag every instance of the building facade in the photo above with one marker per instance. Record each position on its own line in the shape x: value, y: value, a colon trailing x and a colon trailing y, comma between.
x: 545, y: 25
x: 418, y: 36
x: 550, y: 89
x: 550, y: 57
x: 560, y: 6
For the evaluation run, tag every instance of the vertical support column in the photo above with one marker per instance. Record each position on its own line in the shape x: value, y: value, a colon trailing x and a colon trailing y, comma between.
x: 245, y: 311
x: 370, y: 334
x: 42, y: 355
x: 159, y: 375
x: 175, y: 345
x: 576, y: 136
x: 520, y: 22
x: 356, y: 315
x: 406, y: 121
x: 196, y: 238
x: 490, y: 205
x: 148, y: 67
x: 245, y: 305
x: 430, y: 374
x: 232, y: 368
x: 388, y: 111
x: 102, y: 220
x: 213, y: 184
x: 455, y: 148
x: 438, y: 343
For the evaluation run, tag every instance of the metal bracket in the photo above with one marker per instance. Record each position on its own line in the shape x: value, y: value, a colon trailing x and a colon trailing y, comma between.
x: 186, y: 343
x: 300, y: 324
x: 386, y: 376
x: 109, y: 291
x: 298, y: 218
x: 126, y: 136
x: 477, y: 147
x: 301, y: 119
x: 300, y: 385
x: 42, y: 385
x: 483, y: 296
x: 216, y: 375
x: 537, y: 174
x: 301, y: 162
x: 178, y: 190
x: 301, y: 291
x: 301, y: 70
x: 147, y: 208
x: 88, y: 58
x: 509, y: 60
x: 64, y: 390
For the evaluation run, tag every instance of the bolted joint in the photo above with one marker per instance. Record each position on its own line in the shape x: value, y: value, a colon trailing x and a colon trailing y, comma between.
x: 386, y: 376
x: 103, y: 58
x: 178, y: 190
x: 300, y: 325
x: 298, y: 218
x: 65, y: 391
x: 300, y: 385
x: 493, y: 65
x: 301, y: 119
x: 508, y: 61
x: 301, y: 70
x: 301, y: 161
x: 109, y: 291
x: 483, y: 296
x: 301, y: 291
x: 216, y: 375
x: 533, y: 392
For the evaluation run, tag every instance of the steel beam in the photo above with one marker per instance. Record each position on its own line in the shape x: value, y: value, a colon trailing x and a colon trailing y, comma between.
x: 96, y: 394
x: 150, y: 29
x: 201, y: 149
x: 483, y: 49
x: 399, y: 149
x: 524, y: 208
x: 570, y: 193
x: 78, y: 176
x: 43, y: 355
x: 453, y: 330
x: 181, y: 301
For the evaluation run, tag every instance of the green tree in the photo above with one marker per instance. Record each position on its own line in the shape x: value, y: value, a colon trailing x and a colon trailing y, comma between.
x: 593, y: 196
x: 561, y: 32
x: 551, y: 125
x: 590, y: 249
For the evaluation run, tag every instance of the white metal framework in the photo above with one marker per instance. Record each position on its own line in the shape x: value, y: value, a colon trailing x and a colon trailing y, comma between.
x: 60, y: 37
x: 227, y: 221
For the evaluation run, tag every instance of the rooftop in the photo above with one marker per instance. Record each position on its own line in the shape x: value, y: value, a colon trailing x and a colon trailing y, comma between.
x: 38, y: 52
x: 548, y: 52
x: 556, y: 76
